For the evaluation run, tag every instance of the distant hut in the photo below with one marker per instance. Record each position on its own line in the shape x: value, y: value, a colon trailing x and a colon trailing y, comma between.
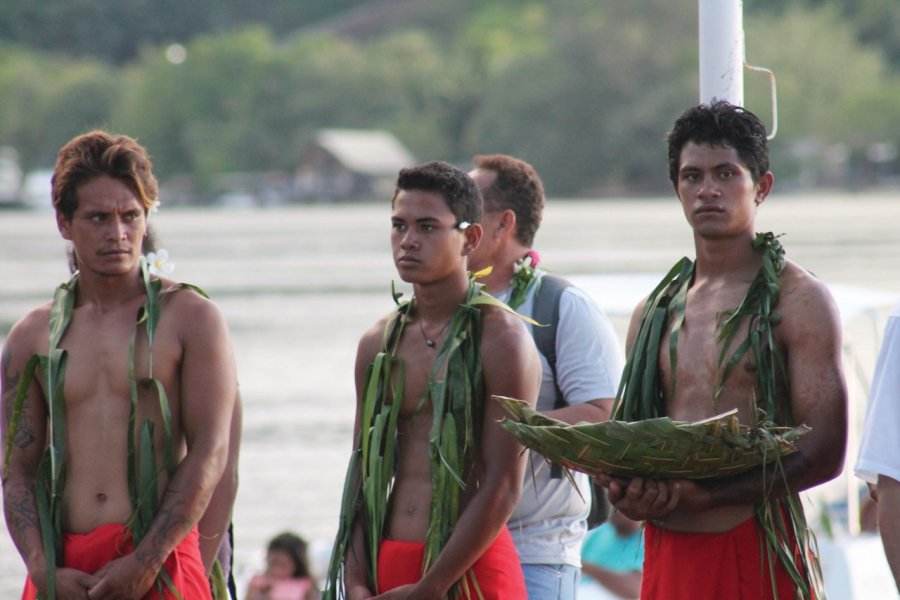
x: 350, y: 164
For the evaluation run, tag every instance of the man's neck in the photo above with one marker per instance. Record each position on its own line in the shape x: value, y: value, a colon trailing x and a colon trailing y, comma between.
x: 437, y: 301
x: 107, y: 291
x: 503, y: 267
x: 725, y: 257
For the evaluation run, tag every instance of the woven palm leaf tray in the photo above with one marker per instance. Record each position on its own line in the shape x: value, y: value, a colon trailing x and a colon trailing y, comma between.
x: 716, y: 447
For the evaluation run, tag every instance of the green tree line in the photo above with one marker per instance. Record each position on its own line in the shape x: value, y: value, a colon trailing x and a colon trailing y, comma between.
x: 583, y: 89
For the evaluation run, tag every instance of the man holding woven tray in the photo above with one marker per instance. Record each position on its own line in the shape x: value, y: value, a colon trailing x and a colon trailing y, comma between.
x: 579, y: 378
x: 739, y: 328
x: 117, y: 400
x: 433, y: 477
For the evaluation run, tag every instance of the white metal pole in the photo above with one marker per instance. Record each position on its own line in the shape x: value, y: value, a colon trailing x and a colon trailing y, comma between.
x: 721, y: 51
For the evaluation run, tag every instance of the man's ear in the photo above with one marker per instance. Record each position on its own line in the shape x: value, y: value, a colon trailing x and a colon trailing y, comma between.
x: 63, y: 224
x: 507, y: 223
x: 763, y: 187
x: 473, y: 234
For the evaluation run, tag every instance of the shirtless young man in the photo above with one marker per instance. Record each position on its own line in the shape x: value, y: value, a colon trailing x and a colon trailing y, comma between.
x: 436, y: 210
x: 701, y: 535
x: 102, y: 189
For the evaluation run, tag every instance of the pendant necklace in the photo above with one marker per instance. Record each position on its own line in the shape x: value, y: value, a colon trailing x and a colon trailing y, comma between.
x: 428, y: 341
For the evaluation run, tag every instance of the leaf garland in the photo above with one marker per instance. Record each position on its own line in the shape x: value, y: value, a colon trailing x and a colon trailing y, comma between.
x: 143, y: 473
x: 457, y: 402
x: 787, y: 534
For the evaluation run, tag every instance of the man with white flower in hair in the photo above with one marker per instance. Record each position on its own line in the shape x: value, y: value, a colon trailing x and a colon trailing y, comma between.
x: 118, y: 397
x: 433, y: 476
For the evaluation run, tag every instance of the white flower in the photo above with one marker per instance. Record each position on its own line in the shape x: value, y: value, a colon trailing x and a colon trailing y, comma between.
x: 159, y: 264
x: 463, y: 225
x: 154, y: 206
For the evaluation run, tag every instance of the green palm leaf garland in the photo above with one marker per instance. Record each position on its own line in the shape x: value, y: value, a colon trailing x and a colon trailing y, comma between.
x: 143, y: 473
x: 457, y: 403
x: 639, y: 397
x: 641, y: 440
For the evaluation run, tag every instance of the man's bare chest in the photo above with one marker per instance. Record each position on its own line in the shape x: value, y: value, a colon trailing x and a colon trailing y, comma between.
x: 104, y: 358
x: 704, y: 373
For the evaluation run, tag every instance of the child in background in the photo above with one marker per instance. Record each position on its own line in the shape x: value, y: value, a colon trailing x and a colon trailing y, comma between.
x: 287, y: 575
x: 612, y: 559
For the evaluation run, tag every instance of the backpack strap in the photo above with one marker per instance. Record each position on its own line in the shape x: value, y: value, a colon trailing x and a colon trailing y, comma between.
x: 546, y: 312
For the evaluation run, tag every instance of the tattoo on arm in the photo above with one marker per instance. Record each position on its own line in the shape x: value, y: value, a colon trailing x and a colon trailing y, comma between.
x: 24, y: 435
x: 10, y: 383
x: 172, y: 523
x: 21, y: 511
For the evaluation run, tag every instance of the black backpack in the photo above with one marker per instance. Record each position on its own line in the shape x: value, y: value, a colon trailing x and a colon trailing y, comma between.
x: 546, y: 312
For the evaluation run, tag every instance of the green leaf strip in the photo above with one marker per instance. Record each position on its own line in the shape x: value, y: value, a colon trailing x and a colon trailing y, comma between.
x: 640, y: 396
x: 143, y: 475
x: 456, y: 393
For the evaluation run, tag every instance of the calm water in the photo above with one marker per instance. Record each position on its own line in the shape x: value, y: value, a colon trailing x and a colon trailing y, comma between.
x: 299, y: 285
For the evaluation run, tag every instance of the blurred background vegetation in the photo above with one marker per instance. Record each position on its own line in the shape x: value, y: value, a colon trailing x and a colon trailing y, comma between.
x: 583, y: 89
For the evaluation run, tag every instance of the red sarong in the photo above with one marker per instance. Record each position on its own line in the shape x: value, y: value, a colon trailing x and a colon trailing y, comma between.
x: 497, y: 572
x: 730, y: 565
x: 91, y: 551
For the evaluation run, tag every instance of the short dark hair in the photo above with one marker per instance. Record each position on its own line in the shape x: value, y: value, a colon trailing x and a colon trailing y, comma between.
x: 99, y: 153
x: 517, y: 187
x: 459, y: 191
x: 721, y: 124
x: 294, y: 546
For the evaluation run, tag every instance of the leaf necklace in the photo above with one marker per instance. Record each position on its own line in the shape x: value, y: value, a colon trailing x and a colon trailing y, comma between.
x: 143, y: 472
x: 458, y: 410
x: 640, y: 394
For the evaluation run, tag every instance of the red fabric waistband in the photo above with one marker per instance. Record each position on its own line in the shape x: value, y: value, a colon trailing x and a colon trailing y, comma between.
x: 498, y: 573
x: 90, y: 551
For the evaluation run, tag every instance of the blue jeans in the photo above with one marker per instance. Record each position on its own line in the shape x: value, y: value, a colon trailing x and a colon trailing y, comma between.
x: 551, y: 582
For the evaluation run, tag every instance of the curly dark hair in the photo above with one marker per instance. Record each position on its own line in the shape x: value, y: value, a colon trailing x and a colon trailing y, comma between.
x: 518, y: 188
x: 721, y: 124
x: 459, y: 191
x: 294, y: 546
x: 99, y: 153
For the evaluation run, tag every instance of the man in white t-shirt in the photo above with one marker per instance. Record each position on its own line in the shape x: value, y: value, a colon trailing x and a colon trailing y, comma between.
x: 549, y: 523
x: 879, y: 451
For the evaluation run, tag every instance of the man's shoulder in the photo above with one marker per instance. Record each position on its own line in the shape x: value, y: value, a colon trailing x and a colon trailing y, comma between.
x: 574, y: 305
x: 799, y: 285
x: 503, y: 332
x: 33, y: 329
x: 372, y: 339
x: 184, y: 297
x: 496, y: 321
x: 188, y: 308
x: 805, y: 302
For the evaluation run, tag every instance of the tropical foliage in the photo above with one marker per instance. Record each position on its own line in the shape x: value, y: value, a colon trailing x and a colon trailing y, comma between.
x: 584, y: 90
